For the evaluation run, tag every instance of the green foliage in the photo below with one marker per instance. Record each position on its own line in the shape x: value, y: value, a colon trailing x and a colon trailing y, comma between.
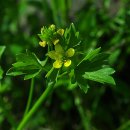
x: 90, y: 67
x: 1, y: 73
x: 2, y: 48
x: 102, y: 24
x: 27, y: 64
x: 101, y: 76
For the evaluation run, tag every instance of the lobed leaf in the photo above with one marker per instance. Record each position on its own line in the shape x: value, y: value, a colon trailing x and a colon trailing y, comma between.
x: 101, y: 76
x: 28, y: 58
x: 31, y: 75
x: 91, y: 54
x: 92, y: 68
x: 27, y: 64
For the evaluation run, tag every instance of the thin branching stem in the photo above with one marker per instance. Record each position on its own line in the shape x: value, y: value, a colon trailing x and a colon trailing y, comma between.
x: 38, y: 103
x: 30, y: 96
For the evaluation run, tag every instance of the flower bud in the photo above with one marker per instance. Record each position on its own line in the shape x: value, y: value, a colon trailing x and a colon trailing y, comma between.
x: 43, y: 43
x: 70, y: 52
x: 55, y: 41
x: 52, y: 27
x: 60, y: 31
x: 67, y: 63
x: 57, y: 64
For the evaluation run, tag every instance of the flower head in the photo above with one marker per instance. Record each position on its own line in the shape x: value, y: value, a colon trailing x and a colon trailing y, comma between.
x: 50, y: 35
x: 60, y: 56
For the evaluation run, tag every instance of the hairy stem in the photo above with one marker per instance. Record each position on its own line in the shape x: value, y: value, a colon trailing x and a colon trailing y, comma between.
x: 30, y: 96
x: 38, y: 103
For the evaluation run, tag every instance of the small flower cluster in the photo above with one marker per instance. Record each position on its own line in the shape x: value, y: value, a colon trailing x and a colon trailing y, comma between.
x: 60, y: 56
x: 51, y: 36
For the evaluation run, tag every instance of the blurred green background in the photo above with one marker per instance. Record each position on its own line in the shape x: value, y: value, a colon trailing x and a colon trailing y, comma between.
x: 104, y: 23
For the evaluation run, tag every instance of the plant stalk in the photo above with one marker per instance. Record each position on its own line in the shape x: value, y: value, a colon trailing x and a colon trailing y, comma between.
x: 84, y: 118
x: 30, y: 97
x: 38, y: 103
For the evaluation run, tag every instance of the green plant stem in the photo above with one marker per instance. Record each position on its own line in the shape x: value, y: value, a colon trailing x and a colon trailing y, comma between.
x: 84, y: 118
x: 48, y: 74
x: 41, y: 99
x: 30, y: 96
x: 55, y: 12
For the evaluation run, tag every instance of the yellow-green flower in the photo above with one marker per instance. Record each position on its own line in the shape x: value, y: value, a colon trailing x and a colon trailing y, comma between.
x: 60, y: 31
x: 50, y: 35
x: 43, y: 43
x: 52, y: 27
x: 61, y: 57
x: 55, y: 41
